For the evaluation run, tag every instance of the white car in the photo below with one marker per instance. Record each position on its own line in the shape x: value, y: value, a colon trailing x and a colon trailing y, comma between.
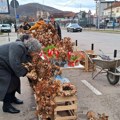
x: 111, y: 24
x: 5, y: 28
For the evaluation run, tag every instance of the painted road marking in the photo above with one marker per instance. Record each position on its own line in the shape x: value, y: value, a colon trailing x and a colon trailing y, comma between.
x: 93, y: 89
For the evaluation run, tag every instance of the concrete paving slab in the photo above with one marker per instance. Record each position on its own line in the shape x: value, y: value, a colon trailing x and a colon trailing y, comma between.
x: 27, y: 109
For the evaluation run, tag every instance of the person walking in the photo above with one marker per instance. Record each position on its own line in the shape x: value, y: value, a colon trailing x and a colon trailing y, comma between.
x: 12, y: 55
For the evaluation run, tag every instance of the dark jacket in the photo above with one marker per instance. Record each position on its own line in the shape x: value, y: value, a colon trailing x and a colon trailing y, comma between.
x: 58, y: 29
x: 12, y: 56
x: 26, y: 27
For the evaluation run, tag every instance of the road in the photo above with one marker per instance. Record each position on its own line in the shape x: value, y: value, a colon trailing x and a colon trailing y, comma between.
x: 107, y: 42
x: 88, y: 99
x: 108, y: 101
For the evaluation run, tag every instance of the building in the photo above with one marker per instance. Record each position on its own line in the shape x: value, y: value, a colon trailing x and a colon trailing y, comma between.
x: 100, y: 6
x: 67, y: 15
x: 85, y: 19
x: 42, y: 14
x: 113, y: 12
x: 64, y: 17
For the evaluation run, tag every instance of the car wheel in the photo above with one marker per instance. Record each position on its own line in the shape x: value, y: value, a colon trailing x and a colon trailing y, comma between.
x: 67, y: 30
x: 81, y: 30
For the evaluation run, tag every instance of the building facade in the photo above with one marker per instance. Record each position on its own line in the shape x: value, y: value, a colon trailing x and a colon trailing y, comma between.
x: 113, y: 12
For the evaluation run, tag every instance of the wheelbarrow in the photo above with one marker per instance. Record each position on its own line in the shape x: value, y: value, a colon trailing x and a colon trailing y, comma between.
x: 111, y: 67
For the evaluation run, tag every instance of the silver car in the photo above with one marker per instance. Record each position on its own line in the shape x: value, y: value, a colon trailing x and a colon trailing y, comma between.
x: 74, y: 27
x: 5, y: 28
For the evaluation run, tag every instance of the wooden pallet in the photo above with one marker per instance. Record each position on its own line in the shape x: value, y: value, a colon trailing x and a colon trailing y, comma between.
x: 66, y: 108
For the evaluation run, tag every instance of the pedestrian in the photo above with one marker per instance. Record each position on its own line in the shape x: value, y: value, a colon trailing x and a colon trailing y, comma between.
x: 26, y: 26
x: 12, y: 55
x: 38, y: 24
x: 56, y: 26
x: 15, y: 26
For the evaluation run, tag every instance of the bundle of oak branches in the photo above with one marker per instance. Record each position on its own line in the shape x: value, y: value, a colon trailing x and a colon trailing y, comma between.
x: 46, y: 88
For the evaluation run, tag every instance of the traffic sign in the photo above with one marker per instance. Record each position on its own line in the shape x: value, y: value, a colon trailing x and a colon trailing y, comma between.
x: 17, y: 16
x: 14, y: 4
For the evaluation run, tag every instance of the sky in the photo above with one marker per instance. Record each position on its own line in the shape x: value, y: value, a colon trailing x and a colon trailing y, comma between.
x: 65, y: 5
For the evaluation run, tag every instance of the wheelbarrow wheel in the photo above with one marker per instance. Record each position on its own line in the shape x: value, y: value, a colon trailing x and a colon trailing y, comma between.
x: 112, y: 78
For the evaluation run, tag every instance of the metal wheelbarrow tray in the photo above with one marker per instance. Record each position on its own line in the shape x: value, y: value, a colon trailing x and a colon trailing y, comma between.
x: 109, y: 67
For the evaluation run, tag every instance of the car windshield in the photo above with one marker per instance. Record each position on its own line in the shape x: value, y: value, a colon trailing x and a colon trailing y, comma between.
x: 74, y: 25
x: 6, y: 25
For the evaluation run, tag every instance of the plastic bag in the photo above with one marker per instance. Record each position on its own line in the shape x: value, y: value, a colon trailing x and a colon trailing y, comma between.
x: 62, y: 79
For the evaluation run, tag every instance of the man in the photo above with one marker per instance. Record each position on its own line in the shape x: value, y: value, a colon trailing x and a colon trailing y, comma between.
x: 12, y: 55
x: 26, y: 26
x: 37, y: 24
x: 56, y: 26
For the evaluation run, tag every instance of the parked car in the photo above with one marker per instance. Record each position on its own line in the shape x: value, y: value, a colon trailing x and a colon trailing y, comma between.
x: 102, y: 26
x: 5, y: 28
x: 74, y: 27
x: 112, y: 24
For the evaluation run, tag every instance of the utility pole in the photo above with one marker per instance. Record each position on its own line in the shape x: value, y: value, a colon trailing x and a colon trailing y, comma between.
x: 96, y: 12
x: 15, y: 4
x: 15, y: 12
x: 43, y: 10
x: 99, y: 4
x: 98, y: 9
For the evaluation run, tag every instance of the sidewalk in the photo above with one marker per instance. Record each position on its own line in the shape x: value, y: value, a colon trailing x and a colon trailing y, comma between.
x: 27, y: 109
x: 106, y: 30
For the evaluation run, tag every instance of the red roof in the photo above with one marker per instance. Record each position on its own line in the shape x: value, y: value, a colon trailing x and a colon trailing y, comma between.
x: 64, y: 14
x: 114, y: 5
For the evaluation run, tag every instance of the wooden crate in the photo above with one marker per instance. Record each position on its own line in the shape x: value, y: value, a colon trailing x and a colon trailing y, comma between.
x: 88, y: 64
x: 66, y: 108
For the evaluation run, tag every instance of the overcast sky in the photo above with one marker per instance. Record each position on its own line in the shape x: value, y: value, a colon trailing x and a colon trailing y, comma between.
x: 65, y: 5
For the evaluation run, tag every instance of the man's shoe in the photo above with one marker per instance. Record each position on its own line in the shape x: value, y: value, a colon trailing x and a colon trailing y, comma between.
x: 17, y: 101
x: 10, y: 109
